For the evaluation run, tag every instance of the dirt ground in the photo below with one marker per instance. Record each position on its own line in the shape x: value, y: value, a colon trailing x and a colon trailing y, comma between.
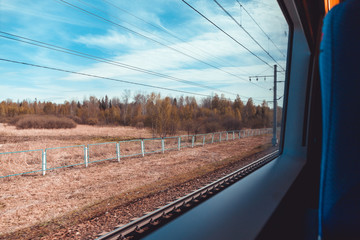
x: 32, y: 199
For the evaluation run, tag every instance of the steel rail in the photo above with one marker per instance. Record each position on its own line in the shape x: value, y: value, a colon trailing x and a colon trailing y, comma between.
x: 204, y: 192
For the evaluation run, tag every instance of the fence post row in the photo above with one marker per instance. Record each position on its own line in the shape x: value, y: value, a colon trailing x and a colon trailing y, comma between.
x: 245, y: 133
x: 118, y: 151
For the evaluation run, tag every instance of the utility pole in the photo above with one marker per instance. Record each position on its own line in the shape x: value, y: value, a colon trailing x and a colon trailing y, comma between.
x: 274, y: 139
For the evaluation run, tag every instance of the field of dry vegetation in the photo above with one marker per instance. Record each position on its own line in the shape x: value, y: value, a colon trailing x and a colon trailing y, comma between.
x: 12, y: 139
x: 50, y: 202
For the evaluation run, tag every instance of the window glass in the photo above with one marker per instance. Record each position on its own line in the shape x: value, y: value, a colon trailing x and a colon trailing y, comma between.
x: 109, y: 109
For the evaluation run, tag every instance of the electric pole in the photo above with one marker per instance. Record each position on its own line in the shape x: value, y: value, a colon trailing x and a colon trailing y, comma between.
x: 274, y: 139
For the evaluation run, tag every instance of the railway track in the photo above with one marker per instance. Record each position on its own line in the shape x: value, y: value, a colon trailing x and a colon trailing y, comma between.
x: 151, y: 221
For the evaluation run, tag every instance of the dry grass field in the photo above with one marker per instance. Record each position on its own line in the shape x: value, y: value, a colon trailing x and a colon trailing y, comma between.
x: 12, y: 139
x: 33, y: 199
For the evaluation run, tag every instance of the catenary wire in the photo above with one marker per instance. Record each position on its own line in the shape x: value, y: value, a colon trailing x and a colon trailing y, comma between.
x: 248, y: 34
x: 110, y: 79
x: 104, y: 60
x: 218, y: 60
x: 227, y: 34
x: 149, y: 38
x: 101, y: 77
x: 261, y: 28
x: 202, y: 15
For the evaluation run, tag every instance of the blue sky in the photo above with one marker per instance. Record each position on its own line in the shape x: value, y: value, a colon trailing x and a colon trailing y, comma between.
x: 172, y: 23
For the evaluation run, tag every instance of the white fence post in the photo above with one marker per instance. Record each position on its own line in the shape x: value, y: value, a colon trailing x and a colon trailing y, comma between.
x: 179, y: 143
x: 142, y: 148
x: 212, y: 138
x: 86, y: 156
x: 204, y: 140
x: 192, y: 141
x: 220, y: 137
x: 43, y: 165
x: 118, y: 151
x: 227, y: 136
x: 233, y: 135
x: 162, y: 145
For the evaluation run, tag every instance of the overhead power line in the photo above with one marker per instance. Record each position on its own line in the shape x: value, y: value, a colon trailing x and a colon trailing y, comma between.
x: 101, y: 77
x: 104, y: 60
x: 227, y: 34
x: 109, y: 79
x: 148, y: 38
x: 218, y: 60
x: 248, y: 34
x: 268, y: 37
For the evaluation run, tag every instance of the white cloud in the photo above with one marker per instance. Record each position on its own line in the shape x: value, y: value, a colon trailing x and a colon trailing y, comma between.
x: 112, y: 40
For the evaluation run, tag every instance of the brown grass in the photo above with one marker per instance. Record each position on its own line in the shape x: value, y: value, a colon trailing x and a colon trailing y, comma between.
x: 83, y: 193
x: 44, y: 122
x: 12, y: 139
x: 171, y: 176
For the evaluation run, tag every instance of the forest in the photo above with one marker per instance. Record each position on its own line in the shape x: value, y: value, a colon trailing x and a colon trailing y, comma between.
x: 164, y: 115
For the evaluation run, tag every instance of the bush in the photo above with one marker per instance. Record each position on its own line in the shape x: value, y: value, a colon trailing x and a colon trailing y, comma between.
x: 232, y: 124
x: 212, y: 127
x: 14, y: 120
x: 139, y: 125
x: 46, y: 122
x: 92, y: 121
x: 75, y: 119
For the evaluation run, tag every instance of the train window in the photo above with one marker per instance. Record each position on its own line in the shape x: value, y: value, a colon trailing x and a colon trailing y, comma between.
x: 112, y: 109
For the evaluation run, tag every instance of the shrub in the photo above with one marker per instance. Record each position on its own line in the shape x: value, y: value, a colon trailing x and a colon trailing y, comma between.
x: 212, y: 127
x: 14, y: 120
x: 75, y: 119
x: 92, y: 121
x: 139, y: 125
x: 232, y: 124
x: 47, y: 122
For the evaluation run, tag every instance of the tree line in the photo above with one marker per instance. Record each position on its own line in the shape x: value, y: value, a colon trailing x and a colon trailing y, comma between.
x: 164, y: 115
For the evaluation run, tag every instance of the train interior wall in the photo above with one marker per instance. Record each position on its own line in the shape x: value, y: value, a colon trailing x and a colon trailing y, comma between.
x: 297, y: 215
